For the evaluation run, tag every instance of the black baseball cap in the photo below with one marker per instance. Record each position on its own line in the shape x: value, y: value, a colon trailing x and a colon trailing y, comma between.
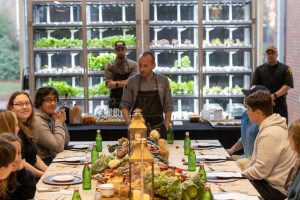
x: 253, y: 89
x: 120, y: 44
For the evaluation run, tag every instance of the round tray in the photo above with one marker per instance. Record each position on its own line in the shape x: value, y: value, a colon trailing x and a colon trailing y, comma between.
x: 76, y: 180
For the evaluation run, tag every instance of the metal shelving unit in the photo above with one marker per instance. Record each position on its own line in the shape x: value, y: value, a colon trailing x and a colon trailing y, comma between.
x: 206, y: 48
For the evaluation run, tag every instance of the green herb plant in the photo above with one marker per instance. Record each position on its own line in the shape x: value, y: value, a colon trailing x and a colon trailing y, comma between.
x: 96, y: 63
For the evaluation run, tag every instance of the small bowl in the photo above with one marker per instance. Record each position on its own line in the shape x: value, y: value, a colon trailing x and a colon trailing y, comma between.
x: 194, y: 118
x: 107, y: 190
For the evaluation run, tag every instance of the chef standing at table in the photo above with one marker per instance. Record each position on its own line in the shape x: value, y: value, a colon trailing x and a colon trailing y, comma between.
x: 150, y: 92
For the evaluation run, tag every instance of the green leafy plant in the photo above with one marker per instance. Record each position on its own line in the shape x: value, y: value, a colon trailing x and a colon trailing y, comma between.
x: 95, y: 42
x: 52, y: 42
x: 182, y: 88
x: 185, y: 62
x: 99, y: 89
x: 64, y: 89
x: 111, y: 40
x: 99, y: 62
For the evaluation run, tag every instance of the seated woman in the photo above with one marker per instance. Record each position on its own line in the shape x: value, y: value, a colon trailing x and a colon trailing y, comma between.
x: 20, y: 184
x: 21, y: 105
x: 50, y: 126
x: 294, y: 137
x: 7, y: 155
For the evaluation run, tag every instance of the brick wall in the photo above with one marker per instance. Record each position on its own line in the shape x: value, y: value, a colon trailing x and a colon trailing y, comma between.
x: 292, y: 55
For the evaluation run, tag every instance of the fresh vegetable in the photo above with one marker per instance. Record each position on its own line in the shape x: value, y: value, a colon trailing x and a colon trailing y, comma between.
x: 155, y: 134
x: 96, y: 63
x: 114, y: 163
x: 100, y: 165
x: 53, y: 42
x: 182, y: 88
x: 99, y: 89
x: 110, y: 41
x: 64, y: 89
x: 165, y: 186
x: 185, y: 62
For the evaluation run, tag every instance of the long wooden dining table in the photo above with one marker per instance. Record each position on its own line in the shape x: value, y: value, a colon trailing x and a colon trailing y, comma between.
x: 176, y: 158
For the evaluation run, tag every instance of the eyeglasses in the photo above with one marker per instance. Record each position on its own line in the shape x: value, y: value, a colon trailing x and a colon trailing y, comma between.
x: 49, y: 100
x: 21, y: 105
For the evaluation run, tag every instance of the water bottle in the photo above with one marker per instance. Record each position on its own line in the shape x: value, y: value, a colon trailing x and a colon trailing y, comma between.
x: 99, y: 141
x: 94, y: 154
x: 187, y: 143
x: 170, y: 135
x: 86, y: 177
x: 207, y: 195
x: 76, y: 195
x: 192, y: 162
x: 202, y: 173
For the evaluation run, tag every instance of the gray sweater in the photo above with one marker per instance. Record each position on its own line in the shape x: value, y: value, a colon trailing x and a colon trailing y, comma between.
x: 52, y: 136
x: 272, y: 157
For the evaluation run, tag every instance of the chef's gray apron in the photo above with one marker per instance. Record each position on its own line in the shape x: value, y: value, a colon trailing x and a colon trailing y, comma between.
x: 152, y: 110
x: 116, y: 93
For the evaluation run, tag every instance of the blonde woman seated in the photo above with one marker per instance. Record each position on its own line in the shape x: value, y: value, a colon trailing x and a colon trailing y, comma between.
x: 21, y: 105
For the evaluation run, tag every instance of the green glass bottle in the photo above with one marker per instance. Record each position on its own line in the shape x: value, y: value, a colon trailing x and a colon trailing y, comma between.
x: 207, y: 195
x: 170, y: 135
x: 94, y: 154
x: 187, y: 143
x: 192, y: 162
x: 76, y: 195
x: 202, y: 173
x: 86, y: 177
x: 99, y: 141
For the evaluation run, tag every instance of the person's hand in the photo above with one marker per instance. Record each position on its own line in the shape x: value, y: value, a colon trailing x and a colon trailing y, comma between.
x: 273, y: 99
x: 60, y: 116
x: 111, y: 84
x: 229, y: 151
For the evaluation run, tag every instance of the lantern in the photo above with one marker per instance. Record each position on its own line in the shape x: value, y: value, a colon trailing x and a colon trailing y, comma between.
x: 137, y: 126
x: 141, y: 171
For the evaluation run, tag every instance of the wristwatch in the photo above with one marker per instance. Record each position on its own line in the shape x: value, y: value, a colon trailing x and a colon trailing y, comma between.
x: 275, y: 95
x: 117, y: 84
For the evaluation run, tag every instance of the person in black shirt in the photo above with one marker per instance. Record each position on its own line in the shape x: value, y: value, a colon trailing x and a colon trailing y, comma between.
x: 21, y: 105
x: 277, y: 77
x: 117, y: 72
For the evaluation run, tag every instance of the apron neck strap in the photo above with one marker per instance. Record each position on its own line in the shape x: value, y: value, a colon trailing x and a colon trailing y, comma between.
x: 140, y: 80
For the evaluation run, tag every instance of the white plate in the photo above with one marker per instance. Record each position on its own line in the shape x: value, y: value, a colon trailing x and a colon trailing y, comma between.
x: 70, y: 159
x: 205, y: 144
x: 63, y: 178
x: 211, y: 157
x: 220, y: 174
x: 234, y: 195
x: 81, y: 146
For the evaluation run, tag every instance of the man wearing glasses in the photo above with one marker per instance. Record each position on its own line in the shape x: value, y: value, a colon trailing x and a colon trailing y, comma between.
x: 50, y: 126
x: 117, y: 72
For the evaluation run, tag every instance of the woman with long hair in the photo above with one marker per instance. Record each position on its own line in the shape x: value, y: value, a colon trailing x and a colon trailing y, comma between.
x: 20, y: 103
x: 294, y: 137
x: 20, y: 184
x: 8, y: 155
